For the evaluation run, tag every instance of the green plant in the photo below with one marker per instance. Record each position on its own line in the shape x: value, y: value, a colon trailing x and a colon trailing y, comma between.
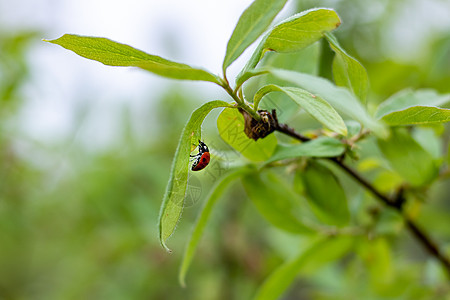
x: 399, y: 144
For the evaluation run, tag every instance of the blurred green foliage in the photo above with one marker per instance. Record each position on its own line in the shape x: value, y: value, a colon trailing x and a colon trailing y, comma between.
x: 83, y: 226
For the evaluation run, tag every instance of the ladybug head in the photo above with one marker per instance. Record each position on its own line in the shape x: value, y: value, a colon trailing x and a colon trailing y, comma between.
x: 202, y: 147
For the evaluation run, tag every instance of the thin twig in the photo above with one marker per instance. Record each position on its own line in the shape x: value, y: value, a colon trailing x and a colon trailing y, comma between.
x: 396, y: 203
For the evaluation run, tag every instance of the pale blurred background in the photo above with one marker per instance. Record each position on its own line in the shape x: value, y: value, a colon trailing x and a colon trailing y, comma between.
x: 85, y: 149
x: 194, y: 32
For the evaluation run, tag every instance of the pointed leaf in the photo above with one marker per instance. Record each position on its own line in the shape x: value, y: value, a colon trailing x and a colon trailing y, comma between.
x: 275, y: 201
x: 301, y: 30
x: 318, y: 253
x: 418, y: 115
x: 325, y: 194
x: 216, y: 192
x: 172, y: 205
x: 408, y: 158
x: 112, y: 53
x: 320, y: 147
x: 231, y: 129
x: 340, y: 98
x: 347, y: 71
x: 252, y: 23
x: 409, y: 98
x: 317, y: 107
x: 294, y: 34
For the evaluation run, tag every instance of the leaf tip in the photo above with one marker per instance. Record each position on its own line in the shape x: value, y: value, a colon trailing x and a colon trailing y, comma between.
x: 55, y: 41
x: 338, y: 19
x: 163, y: 244
x: 182, y: 280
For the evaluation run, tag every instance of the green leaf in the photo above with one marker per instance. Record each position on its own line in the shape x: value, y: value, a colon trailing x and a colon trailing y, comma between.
x: 340, y: 98
x: 318, y: 253
x: 275, y: 201
x: 417, y: 115
x: 347, y: 71
x: 386, y: 181
x: 317, y: 107
x: 384, y: 278
x: 173, y: 201
x: 409, y: 98
x: 216, y: 192
x: 294, y: 34
x: 325, y: 194
x: 408, y: 158
x: 252, y: 23
x: 305, y: 60
x: 353, y: 127
x: 320, y: 147
x: 112, y: 53
x: 429, y: 140
x: 448, y: 155
x: 301, y: 30
x: 231, y: 129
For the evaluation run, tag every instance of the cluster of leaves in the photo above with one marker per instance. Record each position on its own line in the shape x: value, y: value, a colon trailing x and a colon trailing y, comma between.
x: 412, y: 161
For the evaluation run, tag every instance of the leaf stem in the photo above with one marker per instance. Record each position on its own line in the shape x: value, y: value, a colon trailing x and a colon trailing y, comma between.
x: 396, y: 203
x: 239, y: 100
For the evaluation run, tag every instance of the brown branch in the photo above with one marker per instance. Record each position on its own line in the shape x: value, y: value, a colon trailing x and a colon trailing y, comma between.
x: 428, y: 243
x: 260, y: 124
x: 284, y: 128
x: 396, y: 203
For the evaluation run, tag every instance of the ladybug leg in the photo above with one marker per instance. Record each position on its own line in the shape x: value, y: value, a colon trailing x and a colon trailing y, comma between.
x: 194, y: 157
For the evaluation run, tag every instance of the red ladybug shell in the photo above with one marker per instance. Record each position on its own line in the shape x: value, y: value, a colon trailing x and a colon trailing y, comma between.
x: 201, y: 162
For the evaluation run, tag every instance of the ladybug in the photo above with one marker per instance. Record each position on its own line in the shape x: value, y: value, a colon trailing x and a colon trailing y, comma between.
x: 201, y: 159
